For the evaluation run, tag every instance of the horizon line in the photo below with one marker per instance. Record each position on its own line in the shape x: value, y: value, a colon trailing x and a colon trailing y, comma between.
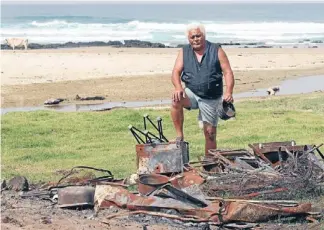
x: 155, y: 1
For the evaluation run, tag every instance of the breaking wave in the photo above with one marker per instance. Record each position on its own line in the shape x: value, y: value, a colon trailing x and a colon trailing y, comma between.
x: 65, y: 29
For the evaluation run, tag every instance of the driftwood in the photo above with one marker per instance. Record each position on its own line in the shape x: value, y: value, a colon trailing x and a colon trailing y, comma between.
x: 77, y: 97
x: 53, y: 101
x: 273, y: 90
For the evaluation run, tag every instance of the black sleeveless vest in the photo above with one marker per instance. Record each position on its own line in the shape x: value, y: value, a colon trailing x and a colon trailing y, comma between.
x: 205, y: 79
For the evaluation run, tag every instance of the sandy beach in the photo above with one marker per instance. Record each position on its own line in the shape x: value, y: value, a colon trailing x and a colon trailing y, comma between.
x: 126, y: 74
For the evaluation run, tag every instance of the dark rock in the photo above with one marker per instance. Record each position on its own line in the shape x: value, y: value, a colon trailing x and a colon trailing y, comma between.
x: 18, y: 183
x: 231, y: 44
x: 223, y: 44
x: 115, y: 43
x: 53, y: 101
x: 3, y: 184
x: 180, y: 45
x: 5, y: 47
x: 8, y: 219
x: 317, y: 41
x: 142, y: 44
x: 128, y: 43
x: 264, y: 46
x: 46, y: 220
x: 77, y: 97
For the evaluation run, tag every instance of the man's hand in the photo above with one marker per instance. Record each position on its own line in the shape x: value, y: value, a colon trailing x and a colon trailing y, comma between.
x: 228, y: 97
x: 178, y: 94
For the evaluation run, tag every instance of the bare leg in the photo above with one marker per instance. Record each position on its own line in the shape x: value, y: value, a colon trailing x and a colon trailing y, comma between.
x: 210, y: 137
x: 177, y: 115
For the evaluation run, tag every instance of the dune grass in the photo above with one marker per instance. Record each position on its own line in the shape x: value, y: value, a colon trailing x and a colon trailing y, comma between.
x: 37, y: 144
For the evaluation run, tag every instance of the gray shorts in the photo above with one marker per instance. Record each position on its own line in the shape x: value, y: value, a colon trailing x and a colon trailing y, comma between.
x: 207, y: 107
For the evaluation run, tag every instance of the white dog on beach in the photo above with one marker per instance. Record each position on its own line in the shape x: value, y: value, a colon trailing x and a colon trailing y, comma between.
x: 17, y: 42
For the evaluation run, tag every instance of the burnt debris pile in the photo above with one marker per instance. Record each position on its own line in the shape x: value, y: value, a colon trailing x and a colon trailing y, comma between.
x: 226, y: 187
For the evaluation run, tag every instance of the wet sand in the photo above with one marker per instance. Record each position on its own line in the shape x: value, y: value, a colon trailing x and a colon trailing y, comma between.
x: 28, y: 78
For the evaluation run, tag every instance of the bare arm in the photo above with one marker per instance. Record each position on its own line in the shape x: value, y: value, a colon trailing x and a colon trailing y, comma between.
x: 176, y: 78
x: 228, y: 74
x: 177, y: 70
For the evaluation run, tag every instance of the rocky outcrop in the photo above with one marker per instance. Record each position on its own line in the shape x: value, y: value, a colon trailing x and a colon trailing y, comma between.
x: 143, y: 44
x: 18, y: 183
x: 127, y: 43
x: 133, y: 43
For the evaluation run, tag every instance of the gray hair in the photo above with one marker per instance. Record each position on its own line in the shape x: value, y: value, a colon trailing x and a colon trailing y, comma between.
x: 194, y: 26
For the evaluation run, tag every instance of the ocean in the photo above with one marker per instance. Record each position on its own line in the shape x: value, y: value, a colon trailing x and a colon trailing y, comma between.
x: 272, y: 24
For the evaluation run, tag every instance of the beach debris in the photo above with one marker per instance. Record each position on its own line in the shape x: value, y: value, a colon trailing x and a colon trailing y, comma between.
x: 18, y: 183
x: 77, y: 97
x: 53, y: 101
x: 273, y: 90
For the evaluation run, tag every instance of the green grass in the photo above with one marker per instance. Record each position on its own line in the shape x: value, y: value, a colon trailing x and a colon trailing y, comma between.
x: 36, y: 144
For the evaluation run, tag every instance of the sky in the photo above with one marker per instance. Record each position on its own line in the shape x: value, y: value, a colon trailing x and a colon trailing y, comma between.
x: 154, y: 1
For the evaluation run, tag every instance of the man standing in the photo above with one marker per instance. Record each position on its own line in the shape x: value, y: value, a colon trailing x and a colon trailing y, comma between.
x: 201, y: 65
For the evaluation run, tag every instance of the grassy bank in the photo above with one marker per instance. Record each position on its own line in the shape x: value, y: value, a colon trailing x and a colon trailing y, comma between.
x: 37, y: 144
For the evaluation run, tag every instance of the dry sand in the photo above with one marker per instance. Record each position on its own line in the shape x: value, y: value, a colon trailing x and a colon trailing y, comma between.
x: 127, y: 74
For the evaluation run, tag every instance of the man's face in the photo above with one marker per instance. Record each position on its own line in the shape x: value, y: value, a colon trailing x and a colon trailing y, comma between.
x: 196, y: 39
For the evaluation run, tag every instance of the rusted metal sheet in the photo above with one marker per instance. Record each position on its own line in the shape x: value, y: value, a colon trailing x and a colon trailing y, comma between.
x: 231, y: 154
x: 179, y: 181
x: 187, y: 179
x: 76, y: 196
x: 220, y: 211
x: 274, y: 144
x: 182, y: 208
x: 251, y: 212
x: 148, y: 183
x: 220, y: 161
x: 229, y: 211
x: 275, y: 153
x: 162, y: 157
x: 244, y: 174
x: 109, y: 195
x: 155, y: 181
